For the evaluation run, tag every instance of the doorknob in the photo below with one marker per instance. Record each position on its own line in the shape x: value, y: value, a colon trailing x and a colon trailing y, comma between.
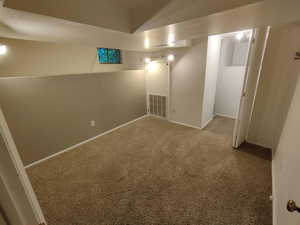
x: 292, y: 207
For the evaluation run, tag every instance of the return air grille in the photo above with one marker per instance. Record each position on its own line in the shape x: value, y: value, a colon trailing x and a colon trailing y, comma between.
x: 158, y: 105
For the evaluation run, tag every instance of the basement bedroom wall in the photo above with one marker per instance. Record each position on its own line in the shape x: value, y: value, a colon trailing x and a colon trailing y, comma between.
x: 187, y: 82
x: 51, y: 113
x: 27, y: 58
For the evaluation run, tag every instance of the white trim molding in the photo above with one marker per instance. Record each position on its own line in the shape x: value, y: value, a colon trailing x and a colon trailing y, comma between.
x: 185, y: 124
x: 207, y: 122
x: 258, y: 144
x: 274, y: 198
x: 226, y: 116
x: 84, y: 142
x: 19, y: 167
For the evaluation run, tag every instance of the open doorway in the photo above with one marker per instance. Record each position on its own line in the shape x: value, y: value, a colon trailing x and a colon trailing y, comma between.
x: 227, y: 59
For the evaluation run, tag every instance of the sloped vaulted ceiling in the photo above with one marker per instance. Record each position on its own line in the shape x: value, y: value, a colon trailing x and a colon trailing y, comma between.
x: 126, y: 15
x: 181, y: 10
x: 22, y: 24
x: 119, y: 15
x: 101, y: 13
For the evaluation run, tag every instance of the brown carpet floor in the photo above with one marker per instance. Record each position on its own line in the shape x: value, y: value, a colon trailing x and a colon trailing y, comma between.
x: 156, y: 172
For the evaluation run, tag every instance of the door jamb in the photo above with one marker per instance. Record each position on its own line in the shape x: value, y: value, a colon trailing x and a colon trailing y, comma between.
x: 20, y: 169
x: 238, y: 119
x: 237, y: 127
x: 169, y: 92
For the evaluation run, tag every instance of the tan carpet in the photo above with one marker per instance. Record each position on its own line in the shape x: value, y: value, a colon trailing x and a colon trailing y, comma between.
x: 156, y: 172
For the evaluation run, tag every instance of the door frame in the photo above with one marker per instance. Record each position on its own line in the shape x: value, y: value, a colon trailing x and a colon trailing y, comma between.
x: 236, y: 129
x: 236, y: 138
x: 20, y: 169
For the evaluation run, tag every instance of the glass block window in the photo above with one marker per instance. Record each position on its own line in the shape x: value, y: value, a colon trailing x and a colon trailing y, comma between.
x: 109, y: 56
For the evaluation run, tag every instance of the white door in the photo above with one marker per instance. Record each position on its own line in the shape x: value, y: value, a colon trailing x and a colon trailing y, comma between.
x: 253, y: 68
x: 286, y: 164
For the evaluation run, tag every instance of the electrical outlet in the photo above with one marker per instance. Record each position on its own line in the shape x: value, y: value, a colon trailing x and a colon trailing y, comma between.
x: 93, y: 123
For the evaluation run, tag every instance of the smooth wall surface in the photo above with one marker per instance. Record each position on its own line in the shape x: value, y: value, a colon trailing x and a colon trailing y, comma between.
x: 158, y: 78
x: 286, y: 164
x: 157, y: 81
x: 26, y: 58
x: 211, y: 77
x: 276, y: 87
x: 49, y: 114
x: 187, y: 81
x: 231, y: 77
x: 229, y: 90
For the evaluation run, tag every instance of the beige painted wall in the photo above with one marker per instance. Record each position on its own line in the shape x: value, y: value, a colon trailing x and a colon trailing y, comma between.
x: 49, y: 114
x: 286, y: 163
x: 188, y: 74
x: 158, y: 78
x: 276, y: 87
x: 25, y: 58
x: 187, y: 82
x: 211, y: 77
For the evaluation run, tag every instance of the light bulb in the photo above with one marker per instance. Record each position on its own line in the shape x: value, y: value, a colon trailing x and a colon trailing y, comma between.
x: 171, y: 57
x: 147, y: 43
x: 152, y: 66
x: 239, y: 35
x: 147, y: 60
x: 3, y: 49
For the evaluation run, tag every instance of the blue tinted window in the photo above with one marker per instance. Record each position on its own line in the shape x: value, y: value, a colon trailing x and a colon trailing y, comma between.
x: 109, y: 55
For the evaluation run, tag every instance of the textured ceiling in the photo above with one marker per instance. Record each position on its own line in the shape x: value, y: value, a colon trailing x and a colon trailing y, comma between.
x: 119, y: 15
x: 126, y: 15
x: 179, y: 11
x: 134, y: 4
x: 31, y: 26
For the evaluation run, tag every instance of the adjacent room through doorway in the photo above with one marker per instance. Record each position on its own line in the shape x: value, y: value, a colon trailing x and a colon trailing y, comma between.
x: 227, y: 56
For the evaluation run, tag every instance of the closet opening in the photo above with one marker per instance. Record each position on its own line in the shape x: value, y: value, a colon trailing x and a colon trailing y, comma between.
x: 227, y: 59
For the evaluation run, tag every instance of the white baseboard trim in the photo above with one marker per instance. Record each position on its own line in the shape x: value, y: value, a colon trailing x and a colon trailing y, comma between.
x: 207, y: 122
x: 259, y: 144
x: 185, y: 124
x: 83, y: 142
x: 274, y: 199
x: 158, y: 117
x: 226, y: 116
